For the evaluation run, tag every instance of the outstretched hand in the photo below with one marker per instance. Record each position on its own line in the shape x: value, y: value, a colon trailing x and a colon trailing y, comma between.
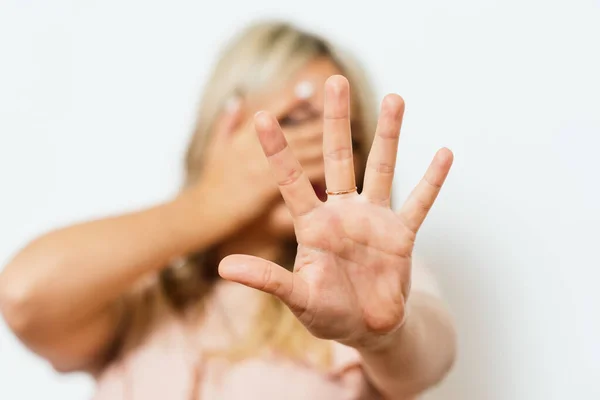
x: 352, y: 273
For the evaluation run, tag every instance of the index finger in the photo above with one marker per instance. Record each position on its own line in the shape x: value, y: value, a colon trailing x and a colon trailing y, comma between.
x: 294, y: 185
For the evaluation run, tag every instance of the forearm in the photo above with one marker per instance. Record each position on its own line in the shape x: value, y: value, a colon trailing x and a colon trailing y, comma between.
x: 72, y: 274
x: 418, y: 355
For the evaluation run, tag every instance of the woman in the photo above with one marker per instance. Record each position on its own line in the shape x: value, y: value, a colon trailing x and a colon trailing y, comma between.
x: 268, y: 276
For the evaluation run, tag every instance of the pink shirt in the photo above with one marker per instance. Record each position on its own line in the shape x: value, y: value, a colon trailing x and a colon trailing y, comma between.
x: 167, y: 365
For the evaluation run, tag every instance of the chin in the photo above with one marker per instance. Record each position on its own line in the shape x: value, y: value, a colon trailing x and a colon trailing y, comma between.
x: 279, y: 222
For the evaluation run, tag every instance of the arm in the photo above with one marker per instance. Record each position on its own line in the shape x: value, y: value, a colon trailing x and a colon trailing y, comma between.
x: 421, y: 352
x: 352, y: 276
x: 61, y: 294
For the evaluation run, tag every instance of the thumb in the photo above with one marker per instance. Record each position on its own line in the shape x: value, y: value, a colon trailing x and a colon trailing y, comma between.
x: 266, y: 276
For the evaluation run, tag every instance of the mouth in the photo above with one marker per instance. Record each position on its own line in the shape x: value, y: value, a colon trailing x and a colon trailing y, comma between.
x: 319, y: 188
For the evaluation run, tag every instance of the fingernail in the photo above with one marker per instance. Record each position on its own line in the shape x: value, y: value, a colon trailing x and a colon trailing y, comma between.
x: 232, y: 104
x: 304, y: 90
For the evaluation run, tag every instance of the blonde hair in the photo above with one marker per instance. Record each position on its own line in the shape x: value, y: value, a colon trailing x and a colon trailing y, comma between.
x: 261, y: 57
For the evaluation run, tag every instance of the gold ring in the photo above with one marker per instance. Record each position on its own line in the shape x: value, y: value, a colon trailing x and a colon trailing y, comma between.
x: 341, y: 191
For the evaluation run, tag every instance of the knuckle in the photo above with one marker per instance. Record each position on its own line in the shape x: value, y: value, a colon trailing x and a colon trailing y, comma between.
x: 381, y: 167
x: 423, y: 205
x: 433, y: 184
x: 290, y: 176
x: 389, y: 134
x: 269, y: 285
x: 342, y: 153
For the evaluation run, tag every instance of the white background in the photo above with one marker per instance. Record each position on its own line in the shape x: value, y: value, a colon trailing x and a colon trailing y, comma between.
x: 97, y: 101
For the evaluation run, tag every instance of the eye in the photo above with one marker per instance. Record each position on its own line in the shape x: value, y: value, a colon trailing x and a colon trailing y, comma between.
x: 288, y: 121
x: 301, y: 114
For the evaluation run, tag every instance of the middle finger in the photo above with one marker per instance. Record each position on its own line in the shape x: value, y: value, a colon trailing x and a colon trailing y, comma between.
x: 337, y: 138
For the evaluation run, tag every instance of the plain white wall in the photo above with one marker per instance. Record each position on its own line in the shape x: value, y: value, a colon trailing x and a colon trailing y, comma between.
x: 97, y: 100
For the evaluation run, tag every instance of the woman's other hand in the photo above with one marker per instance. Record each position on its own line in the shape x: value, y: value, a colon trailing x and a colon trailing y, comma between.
x: 236, y: 176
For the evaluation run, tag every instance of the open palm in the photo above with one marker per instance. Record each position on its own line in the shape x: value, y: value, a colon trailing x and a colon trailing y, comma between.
x: 351, y: 278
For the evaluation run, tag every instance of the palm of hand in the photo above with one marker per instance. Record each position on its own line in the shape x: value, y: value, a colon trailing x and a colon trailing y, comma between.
x: 355, y: 259
x: 351, y: 278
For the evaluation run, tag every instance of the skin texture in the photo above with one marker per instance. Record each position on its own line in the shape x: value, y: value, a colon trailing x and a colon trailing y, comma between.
x: 235, y: 206
x: 354, y: 262
x: 355, y: 254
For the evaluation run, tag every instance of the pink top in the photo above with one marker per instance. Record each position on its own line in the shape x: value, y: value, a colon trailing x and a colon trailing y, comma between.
x: 167, y: 364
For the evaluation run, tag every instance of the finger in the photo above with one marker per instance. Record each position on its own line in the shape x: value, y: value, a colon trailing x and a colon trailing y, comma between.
x: 278, y: 106
x: 420, y: 201
x: 266, y: 276
x: 337, y: 139
x: 233, y: 115
x: 229, y: 120
x: 306, y: 148
x: 293, y: 183
x: 379, y: 173
x: 309, y: 153
x: 306, y: 131
x: 298, y: 140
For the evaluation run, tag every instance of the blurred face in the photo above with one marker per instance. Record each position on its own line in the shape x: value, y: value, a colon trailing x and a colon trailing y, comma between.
x: 302, y: 124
